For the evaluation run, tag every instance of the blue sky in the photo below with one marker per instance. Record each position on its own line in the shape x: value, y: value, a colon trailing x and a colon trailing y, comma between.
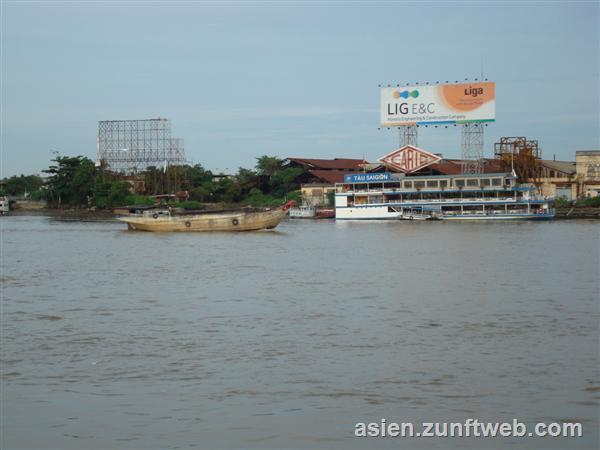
x: 243, y: 79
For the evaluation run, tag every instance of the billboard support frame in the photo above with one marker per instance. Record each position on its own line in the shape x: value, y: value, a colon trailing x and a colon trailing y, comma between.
x: 472, y: 147
x: 408, y: 135
x: 130, y: 146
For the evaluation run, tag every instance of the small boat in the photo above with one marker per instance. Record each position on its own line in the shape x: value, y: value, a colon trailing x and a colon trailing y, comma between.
x: 418, y: 213
x: 302, y: 212
x: 325, y: 213
x: 416, y: 216
x: 245, y: 219
x: 4, y: 206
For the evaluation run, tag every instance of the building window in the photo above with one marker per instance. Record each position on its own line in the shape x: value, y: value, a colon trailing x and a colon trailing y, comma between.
x: 432, y: 183
x: 496, y: 181
x: 443, y: 183
x: 459, y: 183
x: 473, y: 182
x: 419, y: 184
x: 485, y: 182
x: 407, y: 185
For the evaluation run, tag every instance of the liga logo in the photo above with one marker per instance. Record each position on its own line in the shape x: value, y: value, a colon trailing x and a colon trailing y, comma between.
x: 405, y: 94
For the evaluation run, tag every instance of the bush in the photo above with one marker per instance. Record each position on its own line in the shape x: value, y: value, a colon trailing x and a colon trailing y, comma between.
x: 119, y: 191
x: 257, y: 198
x: 331, y: 198
x: 189, y: 204
x: 296, y: 196
x: 561, y: 202
x: 590, y: 201
x: 140, y: 200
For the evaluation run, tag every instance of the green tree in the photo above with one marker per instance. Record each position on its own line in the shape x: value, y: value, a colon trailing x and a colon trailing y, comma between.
x: 247, y: 179
x: 268, y: 165
x: 110, y: 194
x: 119, y: 193
x: 197, y: 176
x: 227, y: 190
x: 22, y: 186
x: 71, y: 181
x: 202, y: 193
x: 284, y: 180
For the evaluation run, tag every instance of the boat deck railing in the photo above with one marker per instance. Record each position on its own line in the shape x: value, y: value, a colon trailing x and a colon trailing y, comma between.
x: 459, y: 200
x: 546, y: 212
x: 466, y: 190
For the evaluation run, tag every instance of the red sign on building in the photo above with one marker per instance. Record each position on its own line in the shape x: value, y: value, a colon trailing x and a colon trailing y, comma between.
x: 409, y: 159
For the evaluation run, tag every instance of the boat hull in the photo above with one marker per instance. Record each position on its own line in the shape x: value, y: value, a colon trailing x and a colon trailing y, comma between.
x: 377, y: 212
x: 233, y: 221
x: 302, y: 213
x: 501, y: 217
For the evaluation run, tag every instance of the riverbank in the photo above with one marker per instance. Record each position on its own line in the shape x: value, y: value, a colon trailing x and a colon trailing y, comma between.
x: 577, y: 212
x: 74, y: 214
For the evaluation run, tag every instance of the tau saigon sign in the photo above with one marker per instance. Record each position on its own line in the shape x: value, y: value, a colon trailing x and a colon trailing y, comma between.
x: 409, y: 159
x: 367, y: 177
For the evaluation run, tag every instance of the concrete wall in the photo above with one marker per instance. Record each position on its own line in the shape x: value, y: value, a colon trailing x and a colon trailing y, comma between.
x: 588, y: 165
x: 549, y: 186
x: 316, y: 194
x: 588, y: 172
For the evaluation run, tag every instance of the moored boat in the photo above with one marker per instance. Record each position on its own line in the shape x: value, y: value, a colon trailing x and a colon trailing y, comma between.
x: 245, y: 219
x: 491, y: 196
x: 325, y: 213
x: 302, y: 212
x: 4, y: 206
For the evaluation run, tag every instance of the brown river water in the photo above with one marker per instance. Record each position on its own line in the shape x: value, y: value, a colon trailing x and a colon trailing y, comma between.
x: 284, y: 340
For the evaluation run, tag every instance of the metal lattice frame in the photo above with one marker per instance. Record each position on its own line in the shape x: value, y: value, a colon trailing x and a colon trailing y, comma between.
x: 408, y: 135
x: 132, y: 145
x: 511, y: 146
x: 472, y: 148
x: 520, y: 154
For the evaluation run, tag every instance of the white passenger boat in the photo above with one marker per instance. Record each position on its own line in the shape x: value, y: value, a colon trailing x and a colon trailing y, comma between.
x: 494, y: 196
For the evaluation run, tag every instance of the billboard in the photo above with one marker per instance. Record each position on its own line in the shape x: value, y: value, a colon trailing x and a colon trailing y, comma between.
x: 409, y: 159
x: 440, y: 104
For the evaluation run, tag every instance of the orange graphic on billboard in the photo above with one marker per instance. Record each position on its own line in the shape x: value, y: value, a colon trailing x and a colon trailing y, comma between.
x: 467, y: 96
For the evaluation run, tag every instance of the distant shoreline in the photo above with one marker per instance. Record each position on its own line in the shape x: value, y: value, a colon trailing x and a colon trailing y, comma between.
x: 562, y: 213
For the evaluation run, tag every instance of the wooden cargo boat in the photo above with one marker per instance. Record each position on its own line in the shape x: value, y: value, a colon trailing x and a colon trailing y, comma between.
x: 245, y: 219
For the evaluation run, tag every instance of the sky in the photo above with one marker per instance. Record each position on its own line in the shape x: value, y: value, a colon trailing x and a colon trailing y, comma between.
x: 243, y: 79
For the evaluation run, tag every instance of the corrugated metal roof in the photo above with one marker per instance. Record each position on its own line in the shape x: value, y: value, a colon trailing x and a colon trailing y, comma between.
x: 562, y: 166
x: 453, y: 167
x: 330, y: 164
x: 328, y: 176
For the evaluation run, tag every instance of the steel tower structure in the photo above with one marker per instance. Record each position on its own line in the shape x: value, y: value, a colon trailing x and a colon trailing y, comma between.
x: 133, y: 145
x: 408, y: 135
x: 472, y: 148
